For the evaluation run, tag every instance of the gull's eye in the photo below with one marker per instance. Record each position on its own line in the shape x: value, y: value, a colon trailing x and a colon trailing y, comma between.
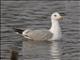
x: 55, y: 15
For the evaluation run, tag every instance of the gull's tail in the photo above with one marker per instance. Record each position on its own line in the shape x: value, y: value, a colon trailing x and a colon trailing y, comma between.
x: 19, y: 31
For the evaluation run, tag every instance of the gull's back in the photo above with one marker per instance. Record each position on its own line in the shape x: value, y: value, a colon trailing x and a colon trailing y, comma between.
x: 38, y: 34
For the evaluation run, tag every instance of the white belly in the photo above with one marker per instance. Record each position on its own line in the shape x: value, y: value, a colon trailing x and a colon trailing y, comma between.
x: 56, y: 36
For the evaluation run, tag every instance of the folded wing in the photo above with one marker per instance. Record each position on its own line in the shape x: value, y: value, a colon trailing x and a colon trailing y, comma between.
x: 38, y: 34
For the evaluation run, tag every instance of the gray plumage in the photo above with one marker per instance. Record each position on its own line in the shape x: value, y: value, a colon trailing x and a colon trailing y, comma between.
x: 54, y: 33
x: 38, y: 34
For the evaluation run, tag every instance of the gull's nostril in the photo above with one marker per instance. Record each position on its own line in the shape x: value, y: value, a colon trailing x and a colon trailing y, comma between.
x: 62, y: 14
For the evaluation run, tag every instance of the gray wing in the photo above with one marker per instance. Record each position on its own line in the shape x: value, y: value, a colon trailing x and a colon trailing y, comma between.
x: 39, y: 34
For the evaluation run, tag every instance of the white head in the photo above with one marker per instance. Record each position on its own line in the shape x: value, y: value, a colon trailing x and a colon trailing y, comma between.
x: 56, y: 16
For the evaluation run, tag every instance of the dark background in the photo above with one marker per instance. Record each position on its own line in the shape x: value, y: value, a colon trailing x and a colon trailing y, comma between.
x: 36, y: 14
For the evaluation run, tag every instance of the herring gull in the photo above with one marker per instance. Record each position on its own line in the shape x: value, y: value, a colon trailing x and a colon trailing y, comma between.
x: 54, y: 33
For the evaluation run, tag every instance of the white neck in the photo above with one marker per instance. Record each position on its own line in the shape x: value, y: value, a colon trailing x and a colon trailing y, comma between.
x: 56, y: 30
x: 55, y: 26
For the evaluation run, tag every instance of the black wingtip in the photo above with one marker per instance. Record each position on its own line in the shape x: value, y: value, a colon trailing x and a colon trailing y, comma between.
x: 18, y: 30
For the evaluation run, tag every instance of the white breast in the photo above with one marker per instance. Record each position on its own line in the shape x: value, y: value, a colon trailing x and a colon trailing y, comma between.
x: 56, y: 36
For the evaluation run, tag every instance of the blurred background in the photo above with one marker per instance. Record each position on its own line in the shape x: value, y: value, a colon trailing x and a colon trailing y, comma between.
x: 36, y: 14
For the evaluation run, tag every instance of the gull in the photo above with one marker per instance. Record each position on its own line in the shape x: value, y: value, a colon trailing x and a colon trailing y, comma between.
x: 54, y: 33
